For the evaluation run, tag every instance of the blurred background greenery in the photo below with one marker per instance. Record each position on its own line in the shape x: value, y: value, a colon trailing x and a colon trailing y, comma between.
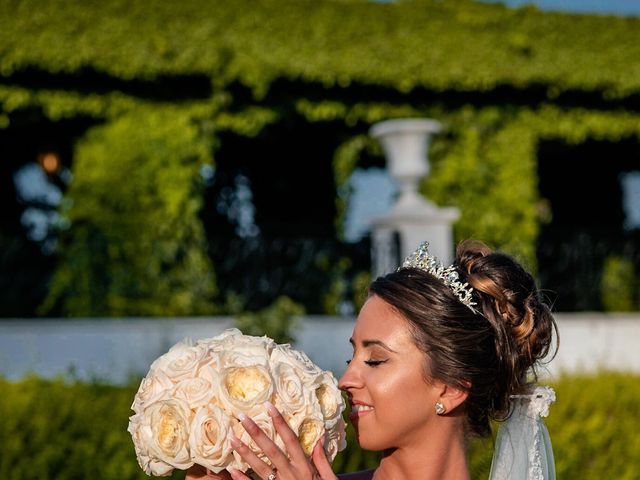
x: 199, y: 158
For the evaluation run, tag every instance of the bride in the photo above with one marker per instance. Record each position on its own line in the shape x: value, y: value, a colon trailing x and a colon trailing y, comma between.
x: 437, y: 354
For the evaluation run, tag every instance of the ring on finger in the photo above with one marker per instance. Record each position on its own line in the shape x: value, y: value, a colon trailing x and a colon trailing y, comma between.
x: 273, y: 475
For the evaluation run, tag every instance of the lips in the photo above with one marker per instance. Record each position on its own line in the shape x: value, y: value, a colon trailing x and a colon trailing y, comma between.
x: 359, y: 409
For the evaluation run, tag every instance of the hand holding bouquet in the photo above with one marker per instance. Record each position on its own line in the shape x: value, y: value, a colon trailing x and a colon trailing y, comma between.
x: 188, y: 405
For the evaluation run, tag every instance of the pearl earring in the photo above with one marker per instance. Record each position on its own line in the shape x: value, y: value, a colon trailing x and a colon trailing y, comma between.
x: 440, y: 408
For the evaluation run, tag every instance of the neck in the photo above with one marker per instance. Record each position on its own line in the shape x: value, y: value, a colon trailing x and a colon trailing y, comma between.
x: 442, y: 457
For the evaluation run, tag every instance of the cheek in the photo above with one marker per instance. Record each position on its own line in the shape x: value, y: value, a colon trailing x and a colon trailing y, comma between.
x: 403, y: 405
x: 405, y: 395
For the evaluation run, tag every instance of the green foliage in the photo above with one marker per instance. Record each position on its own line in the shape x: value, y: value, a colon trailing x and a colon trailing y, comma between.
x: 360, y: 289
x: 618, y: 285
x: 461, y: 45
x: 73, y: 431
x: 277, y: 321
x: 593, y: 425
x: 352, y: 63
x: 135, y: 244
x: 489, y: 171
x: 62, y: 431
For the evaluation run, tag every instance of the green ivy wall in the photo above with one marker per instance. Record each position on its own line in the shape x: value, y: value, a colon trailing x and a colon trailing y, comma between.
x: 500, y: 80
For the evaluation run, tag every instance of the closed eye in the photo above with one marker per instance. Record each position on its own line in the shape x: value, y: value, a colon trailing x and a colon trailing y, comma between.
x: 374, y: 363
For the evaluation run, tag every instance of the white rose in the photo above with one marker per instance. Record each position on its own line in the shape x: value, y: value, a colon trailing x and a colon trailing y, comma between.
x: 165, y: 431
x: 292, y: 397
x: 229, y: 332
x: 241, y: 388
x: 335, y: 440
x: 150, y: 465
x: 152, y: 388
x: 309, y: 430
x: 181, y: 361
x: 246, y: 350
x: 196, y: 392
x: 209, y: 439
x: 217, y: 344
x: 329, y: 397
x: 304, y: 367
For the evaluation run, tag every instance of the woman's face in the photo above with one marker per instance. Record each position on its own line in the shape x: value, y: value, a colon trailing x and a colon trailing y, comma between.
x: 391, y: 403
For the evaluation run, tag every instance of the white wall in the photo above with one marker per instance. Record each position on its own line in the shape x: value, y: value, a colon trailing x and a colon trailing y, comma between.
x: 119, y: 349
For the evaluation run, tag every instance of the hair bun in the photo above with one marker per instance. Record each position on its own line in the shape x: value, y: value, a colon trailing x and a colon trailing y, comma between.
x: 509, y: 298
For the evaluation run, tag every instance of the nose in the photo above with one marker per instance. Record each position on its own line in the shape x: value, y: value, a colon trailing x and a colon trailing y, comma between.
x: 350, y: 378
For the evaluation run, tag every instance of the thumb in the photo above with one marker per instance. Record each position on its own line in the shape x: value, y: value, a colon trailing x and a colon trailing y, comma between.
x: 321, y: 462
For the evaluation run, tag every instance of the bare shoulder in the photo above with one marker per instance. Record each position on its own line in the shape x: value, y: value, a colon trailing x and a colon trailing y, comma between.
x: 363, y: 475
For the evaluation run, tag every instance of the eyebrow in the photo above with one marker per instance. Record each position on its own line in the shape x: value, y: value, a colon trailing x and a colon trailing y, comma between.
x: 368, y: 343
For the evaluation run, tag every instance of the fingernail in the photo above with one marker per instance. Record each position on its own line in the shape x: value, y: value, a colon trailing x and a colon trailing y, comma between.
x: 242, y: 417
x: 233, y: 472
x: 271, y: 409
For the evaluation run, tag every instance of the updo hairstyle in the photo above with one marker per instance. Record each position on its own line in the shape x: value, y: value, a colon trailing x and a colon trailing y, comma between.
x: 489, y: 353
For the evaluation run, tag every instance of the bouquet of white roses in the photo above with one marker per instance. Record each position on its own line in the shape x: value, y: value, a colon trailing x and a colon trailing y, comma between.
x: 188, y: 404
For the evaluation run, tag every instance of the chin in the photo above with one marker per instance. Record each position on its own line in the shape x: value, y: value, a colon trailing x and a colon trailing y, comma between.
x: 369, y: 442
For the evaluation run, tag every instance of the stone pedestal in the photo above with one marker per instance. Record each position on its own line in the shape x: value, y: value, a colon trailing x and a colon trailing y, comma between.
x: 413, y: 219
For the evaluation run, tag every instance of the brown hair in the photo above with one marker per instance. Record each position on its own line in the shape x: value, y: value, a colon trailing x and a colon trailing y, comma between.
x: 487, y: 353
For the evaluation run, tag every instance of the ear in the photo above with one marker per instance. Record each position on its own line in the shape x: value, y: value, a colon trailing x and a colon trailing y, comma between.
x: 452, y: 397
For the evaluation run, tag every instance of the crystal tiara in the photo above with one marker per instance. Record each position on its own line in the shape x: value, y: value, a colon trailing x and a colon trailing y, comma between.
x: 422, y: 260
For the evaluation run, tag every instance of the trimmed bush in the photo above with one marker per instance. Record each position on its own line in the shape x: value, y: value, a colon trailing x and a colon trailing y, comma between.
x: 68, y: 430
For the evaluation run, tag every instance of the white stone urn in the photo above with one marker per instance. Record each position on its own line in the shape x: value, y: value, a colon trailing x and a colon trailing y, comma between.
x: 413, y: 219
x: 406, y: 145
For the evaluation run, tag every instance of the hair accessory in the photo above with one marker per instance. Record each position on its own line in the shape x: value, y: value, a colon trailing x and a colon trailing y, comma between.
x: 440, y: 408
x: 423, y: 260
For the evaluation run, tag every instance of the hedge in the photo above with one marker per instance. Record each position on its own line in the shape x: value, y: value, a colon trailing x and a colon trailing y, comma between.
x: 458, y: 44
x: 56, y: 429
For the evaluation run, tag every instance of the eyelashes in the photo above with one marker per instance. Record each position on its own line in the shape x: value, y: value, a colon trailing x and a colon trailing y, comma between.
x: 371, y: 363
x: 374, y: 363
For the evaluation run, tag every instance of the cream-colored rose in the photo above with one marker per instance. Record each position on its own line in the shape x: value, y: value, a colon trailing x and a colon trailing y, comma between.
x: 209, y: 438
x: 335, y: 440
x: 219, y: 342
x: 309, y: 431
x: 329, y: 397
x: 245, y: 351
x: 196, y: 392
x: 227, y: 333
x: 241, y: 388
x: 152, y: 387
x: 291, y: 395
x: 181, y: 361
x: 165, y: 431
x: 149, y: 464
x: 238, y: 342
x: 304, y: 367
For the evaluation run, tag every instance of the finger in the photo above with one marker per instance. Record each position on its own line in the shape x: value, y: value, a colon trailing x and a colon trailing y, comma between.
x: 258, y: 466
x: 321, y: 462
x: 288, y: 436
x: 268, y: 447
x: 237, y: 474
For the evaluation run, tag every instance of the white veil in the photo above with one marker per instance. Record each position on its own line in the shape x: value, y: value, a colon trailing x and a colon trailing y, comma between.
x: 523, y: 447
